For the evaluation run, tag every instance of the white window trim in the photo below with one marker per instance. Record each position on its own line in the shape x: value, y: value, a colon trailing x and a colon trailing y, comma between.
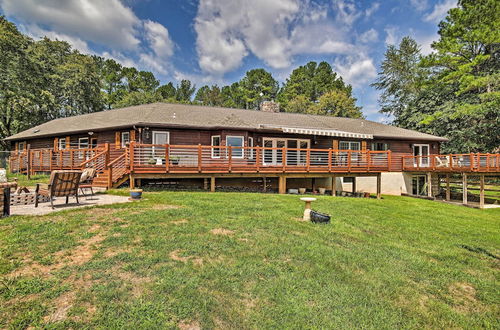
x: 250, y: 145
x: 242, y: 145
x: 59, y: 142
x: 19, y: 144
x: 161, y: 132
x: 122, y: 140
x: 80, y: 142
x: 423, y: 162
x: 351, y: 142
x: 212, y: 144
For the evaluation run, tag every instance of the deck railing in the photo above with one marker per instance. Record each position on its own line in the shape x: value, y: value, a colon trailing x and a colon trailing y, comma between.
x: 453, y: 163
x: 46, y: 160
x: 151, y: 158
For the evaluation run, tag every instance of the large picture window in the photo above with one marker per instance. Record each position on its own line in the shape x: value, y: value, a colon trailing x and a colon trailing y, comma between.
x: 235, y: 141
x: 216, y: 143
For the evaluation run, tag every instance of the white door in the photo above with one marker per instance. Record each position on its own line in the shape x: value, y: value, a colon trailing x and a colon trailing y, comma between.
x: 423, y: 151
x: 273, y: 156
x: 162, y: 138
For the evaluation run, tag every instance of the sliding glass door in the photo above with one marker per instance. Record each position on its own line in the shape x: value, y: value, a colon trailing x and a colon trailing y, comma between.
x: 274, y: 156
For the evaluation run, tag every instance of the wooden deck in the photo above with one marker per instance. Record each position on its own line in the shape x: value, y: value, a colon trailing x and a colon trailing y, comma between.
x: 178, y: 160
x: 453, y: 163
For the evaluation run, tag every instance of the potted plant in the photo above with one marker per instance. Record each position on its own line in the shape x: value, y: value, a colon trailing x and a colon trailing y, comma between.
x: 302, y: 191
x: 322, y: 191
x: 135, y: 194
x: 174, y: 160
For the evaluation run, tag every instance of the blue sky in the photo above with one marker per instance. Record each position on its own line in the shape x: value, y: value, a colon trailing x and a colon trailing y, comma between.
x: 217, y: 41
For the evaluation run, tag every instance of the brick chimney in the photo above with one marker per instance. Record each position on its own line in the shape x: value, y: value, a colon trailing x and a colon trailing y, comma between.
x: 270, y: 106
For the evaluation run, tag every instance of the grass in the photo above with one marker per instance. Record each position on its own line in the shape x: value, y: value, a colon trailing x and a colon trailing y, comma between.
x: 22, y: 179
x: 235, y: 260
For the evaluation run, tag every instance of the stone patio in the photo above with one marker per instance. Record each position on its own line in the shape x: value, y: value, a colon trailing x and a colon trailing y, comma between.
x: 60, y: 204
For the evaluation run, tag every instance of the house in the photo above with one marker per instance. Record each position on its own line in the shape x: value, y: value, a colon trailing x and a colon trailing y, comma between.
x: 252, y: 148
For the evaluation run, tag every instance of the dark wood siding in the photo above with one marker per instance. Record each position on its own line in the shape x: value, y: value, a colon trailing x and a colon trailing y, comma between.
x: 194, y: 137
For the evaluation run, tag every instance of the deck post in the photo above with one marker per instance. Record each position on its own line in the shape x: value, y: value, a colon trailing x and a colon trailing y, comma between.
x: 205, y: 184
x: 448, y: 192
x: 132, y: 181
x: 353, y: 185
x: 264, y: 184
x: 481, y: 192
x: 334, y: 181
x: 379, y: 185
x: 429, y: 184
x: 464, y: 188
x: 212, y: 184
x: 28, y: 163
x: 282, y: 184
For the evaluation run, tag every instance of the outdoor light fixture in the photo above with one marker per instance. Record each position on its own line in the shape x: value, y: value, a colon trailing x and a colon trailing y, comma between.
x: 91, y: 133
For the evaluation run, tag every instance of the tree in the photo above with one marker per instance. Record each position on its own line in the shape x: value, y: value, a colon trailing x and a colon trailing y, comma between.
x: 311, y: 81
x: 184, y: 91
x: 257, y: 85
x: 400, y: 78
x: 112, y: 77
x: 232, y: 96
x: 210, y: 96
x: 15, y: 87
x: 167, y: 92
x: 454, y: 92
x: 299, y: 104
x: 140, y: 81
x: 336, y: 103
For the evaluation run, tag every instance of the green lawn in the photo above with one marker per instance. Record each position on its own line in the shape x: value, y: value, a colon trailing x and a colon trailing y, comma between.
x: 23, y: 181
x: 234, y: 260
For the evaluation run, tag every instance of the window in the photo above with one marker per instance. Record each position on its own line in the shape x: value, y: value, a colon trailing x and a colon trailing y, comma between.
x: 125, y: 139
x: 380, y: 146
x: 350, y: 145
x: 62, y: 144
x: 348, y: 179
x: 21, y: 146
x: 93, y: 143
x: 235, y: 141
x: 250, y: 144
x: 83, y: 143
x: 216, y: 143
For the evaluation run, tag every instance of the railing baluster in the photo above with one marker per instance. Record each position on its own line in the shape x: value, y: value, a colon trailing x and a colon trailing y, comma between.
x: 230, y: 158
x: 199, y: 158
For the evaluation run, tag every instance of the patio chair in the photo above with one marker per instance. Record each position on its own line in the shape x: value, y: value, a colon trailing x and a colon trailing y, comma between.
x: 61, y: 184
x: 86, y: 180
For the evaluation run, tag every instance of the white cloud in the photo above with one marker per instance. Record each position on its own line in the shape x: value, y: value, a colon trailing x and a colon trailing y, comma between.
x: 392, y: 35
x: 374, y: 7
x: 369, y: 36
x: 37, y: 32
x: 109, y: 24
x: 105, y: 22
x: 439, y: 11
x: 355, y: 69
x: 419, y: 5
x: 346, y: 11
x: 228, y: 31
x: 159, y: 39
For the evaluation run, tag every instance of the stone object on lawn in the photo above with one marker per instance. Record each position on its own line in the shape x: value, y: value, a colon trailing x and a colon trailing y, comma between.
x: 307, y: 210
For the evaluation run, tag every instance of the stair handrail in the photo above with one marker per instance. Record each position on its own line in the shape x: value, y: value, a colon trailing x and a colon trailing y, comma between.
x: 94, y: 158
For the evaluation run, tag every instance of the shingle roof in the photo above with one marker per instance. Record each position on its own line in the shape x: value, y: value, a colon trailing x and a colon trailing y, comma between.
x: 203, y: 117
